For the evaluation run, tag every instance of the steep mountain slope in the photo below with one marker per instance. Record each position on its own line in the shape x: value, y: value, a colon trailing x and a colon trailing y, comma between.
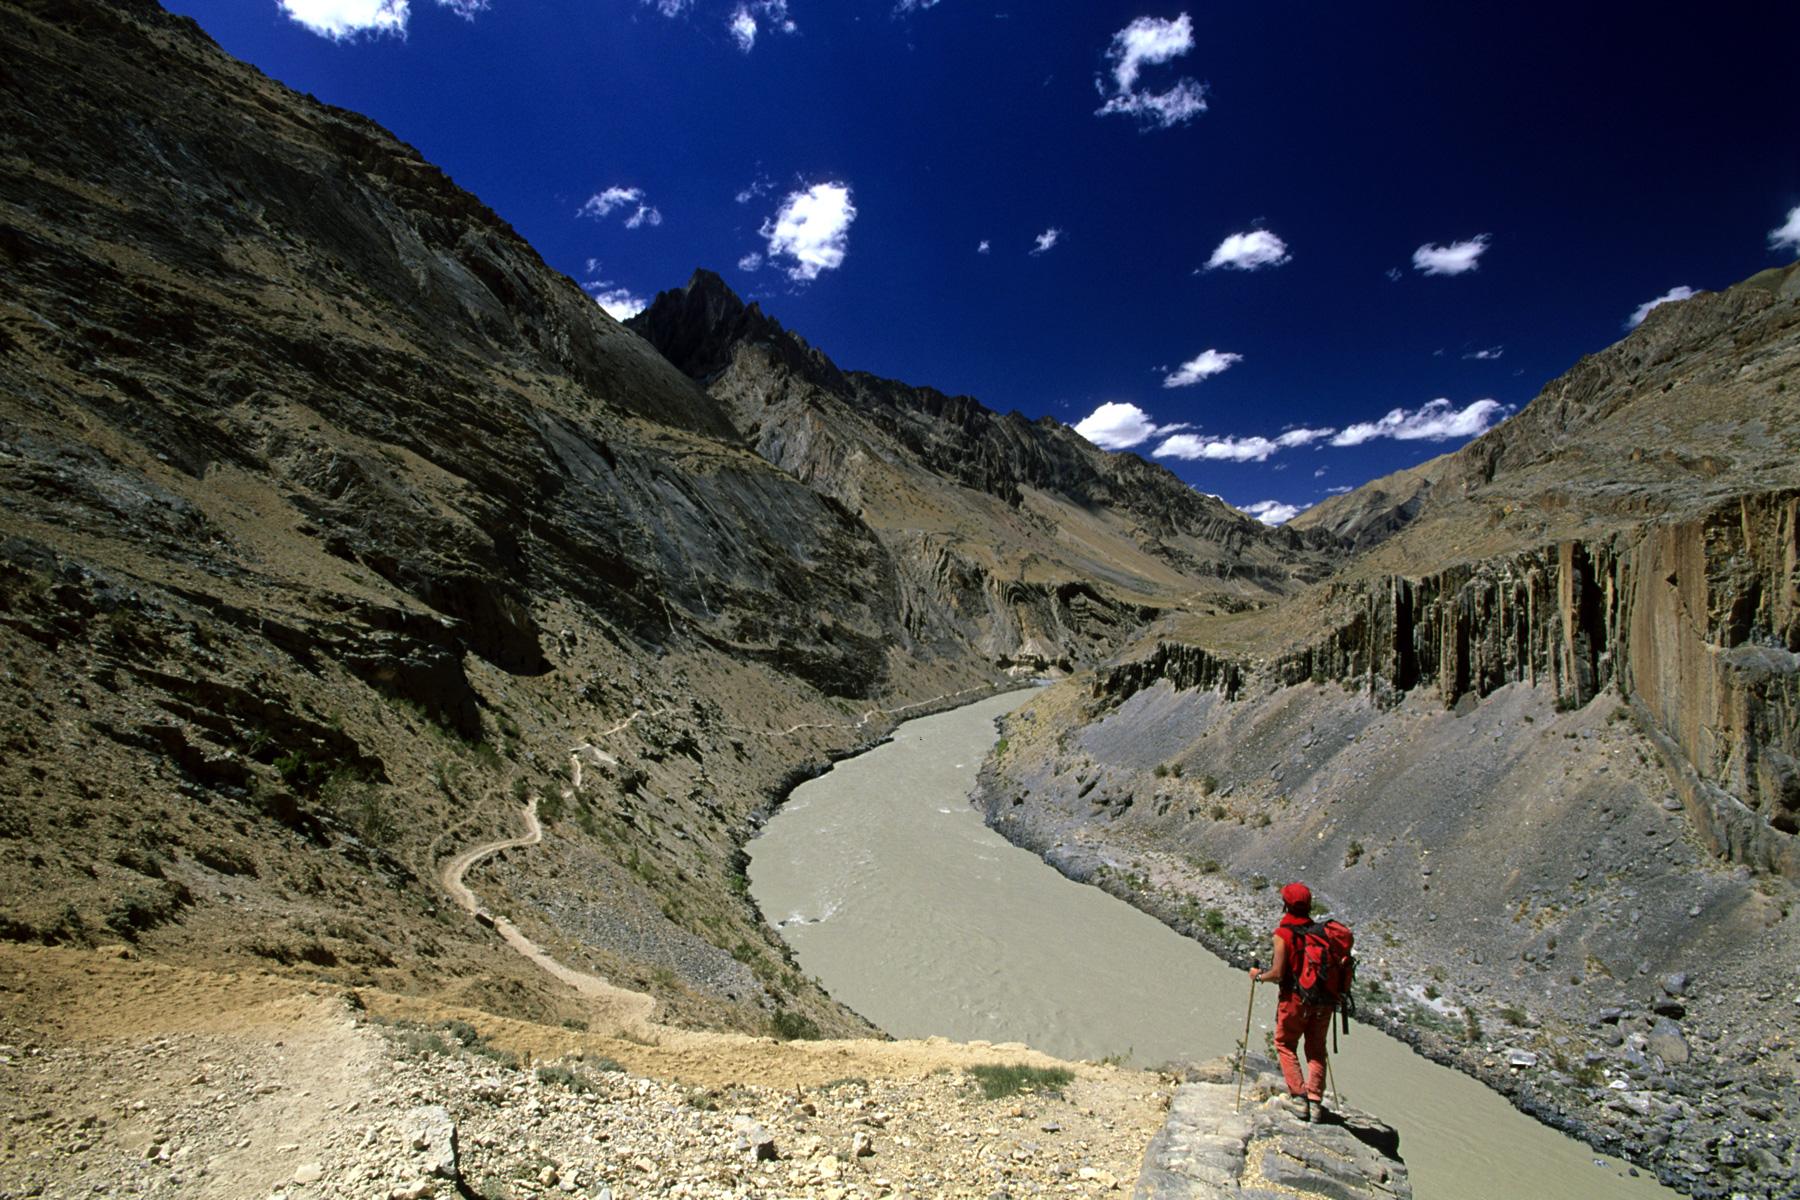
x: 1540, y: 742
x: 338, y: 531
x: 334, y: 523
x: 1041, y: 549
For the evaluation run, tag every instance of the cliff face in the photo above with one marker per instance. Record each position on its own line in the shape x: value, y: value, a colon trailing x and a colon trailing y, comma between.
x: 1016, y: 538
x: 1681, y: 590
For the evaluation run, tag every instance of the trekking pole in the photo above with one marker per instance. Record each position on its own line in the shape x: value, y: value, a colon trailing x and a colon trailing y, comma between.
x: 1331, y: 1079
x: 1244, y: 1048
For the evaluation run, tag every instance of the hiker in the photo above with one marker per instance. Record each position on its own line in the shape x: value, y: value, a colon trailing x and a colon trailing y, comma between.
x: 1295, y: 1019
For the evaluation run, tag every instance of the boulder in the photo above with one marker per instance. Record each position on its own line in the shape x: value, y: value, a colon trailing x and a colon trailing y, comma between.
x: 1667, y: 1043
x: 431, y: 1134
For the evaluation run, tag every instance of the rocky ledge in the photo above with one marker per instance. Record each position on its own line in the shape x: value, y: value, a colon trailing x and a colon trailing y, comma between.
x: 1222, y: 1141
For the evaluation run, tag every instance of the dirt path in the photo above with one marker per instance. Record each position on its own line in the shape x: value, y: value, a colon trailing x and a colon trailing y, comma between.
x: 614, y: 1010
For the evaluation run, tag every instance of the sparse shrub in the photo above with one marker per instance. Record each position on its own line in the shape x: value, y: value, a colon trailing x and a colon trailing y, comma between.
x: 565, y: 1077
x: 1000, y: 748
x: 301, y: 772
x: 1567, y: 703
x: 794, y: 1027
x: 420, y: 1043
x: 1512, y: 1014
x: 1218, y: 812
x: 1432, y: 992
x: 1161, y: 771
x: 1258, y: 882
x: 1213, y: 920
x: 1262, y: 820
x: 998, y: 1081
x: 1353, y: 853
x: 145, y: 908
x: 550, y: 804
x: 1209, y: 866
x: 357, y: 803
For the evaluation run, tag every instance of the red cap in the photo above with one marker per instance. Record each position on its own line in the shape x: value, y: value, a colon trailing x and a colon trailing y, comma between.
x: 1298, y: 897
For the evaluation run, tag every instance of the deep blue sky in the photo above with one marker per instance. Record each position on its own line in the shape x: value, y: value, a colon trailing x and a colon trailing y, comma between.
x: 1609, y: 154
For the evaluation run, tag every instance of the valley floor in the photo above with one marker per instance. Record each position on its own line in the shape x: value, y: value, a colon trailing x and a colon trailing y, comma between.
x: 124, y: 1077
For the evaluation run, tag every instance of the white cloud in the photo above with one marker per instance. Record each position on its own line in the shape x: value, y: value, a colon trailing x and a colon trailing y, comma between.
x: 1249, y: 251
x: 1204, y: 366
x: 1192, y: 446
x: 670, y: 8
x: 466, y: 9
x: 620, y: 304
x: 1302, y: 437
x: 1047, y: 239
x: 1643, y: 310
x: 743, y: 29
x: 1165, y: 110
x: 343, y: 19
x: 1148, y: 40
x: 762, y: 185
x: 1151, y: 40
x: 914, y: 5
x: 1788, y: 235
x: 1116, y: 426
x: 602, y: 204
x: 1394, y: 274
x: 750, y: 262
x: 1487, y: 355
x: 1318, y: 473
x: 985, y: 247
x: 1437, y: 421
x: 812, y: 228
x: 1341, y: 490
x: 1454, y: 259
x: 1272, y: 512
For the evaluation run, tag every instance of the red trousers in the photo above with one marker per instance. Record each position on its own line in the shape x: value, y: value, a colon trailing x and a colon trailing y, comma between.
x: 1294, y: 1020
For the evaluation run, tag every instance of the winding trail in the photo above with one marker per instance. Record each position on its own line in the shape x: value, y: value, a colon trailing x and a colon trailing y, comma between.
x: 617, y: 1010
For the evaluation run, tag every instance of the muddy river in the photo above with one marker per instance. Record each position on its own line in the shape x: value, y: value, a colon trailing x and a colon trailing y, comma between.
x: 893, y: 892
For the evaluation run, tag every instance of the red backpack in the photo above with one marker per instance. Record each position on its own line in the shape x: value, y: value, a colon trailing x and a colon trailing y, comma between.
x: 1322, y: 966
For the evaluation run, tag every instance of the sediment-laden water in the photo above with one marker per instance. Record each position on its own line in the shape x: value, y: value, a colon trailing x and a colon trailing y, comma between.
x: 910, y: 910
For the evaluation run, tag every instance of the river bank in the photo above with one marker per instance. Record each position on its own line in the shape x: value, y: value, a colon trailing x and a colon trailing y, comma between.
x: 905, y: 906
x: 1689, y: 1076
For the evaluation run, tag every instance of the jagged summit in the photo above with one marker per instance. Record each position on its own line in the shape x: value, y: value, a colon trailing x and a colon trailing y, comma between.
x: 699, y: 326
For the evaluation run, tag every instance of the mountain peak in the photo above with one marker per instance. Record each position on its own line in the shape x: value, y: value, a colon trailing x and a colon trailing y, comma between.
x: 700, y: 325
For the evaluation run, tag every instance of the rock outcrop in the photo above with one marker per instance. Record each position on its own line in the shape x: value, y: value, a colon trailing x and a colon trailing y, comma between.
x: 1225, y: 1139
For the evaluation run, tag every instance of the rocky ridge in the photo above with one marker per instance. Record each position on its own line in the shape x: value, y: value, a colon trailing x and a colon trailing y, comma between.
x: 1047, y: 551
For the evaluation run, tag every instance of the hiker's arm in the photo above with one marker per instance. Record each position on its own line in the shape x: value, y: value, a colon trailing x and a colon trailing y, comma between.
x: 1279, y: 964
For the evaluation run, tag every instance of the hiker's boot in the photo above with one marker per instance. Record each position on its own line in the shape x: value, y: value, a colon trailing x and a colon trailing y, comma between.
x: 1316, y: 1113
x: 1301, y: 1107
